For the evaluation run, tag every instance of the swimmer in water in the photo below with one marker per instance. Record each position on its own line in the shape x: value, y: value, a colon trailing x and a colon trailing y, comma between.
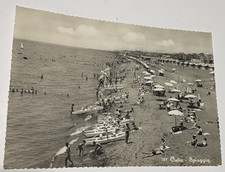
x: 72, y: 108
x: 21, y: 92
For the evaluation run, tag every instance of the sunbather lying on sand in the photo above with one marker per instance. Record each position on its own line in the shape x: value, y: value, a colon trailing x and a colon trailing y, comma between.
x: 203, y: 143
x: 157, y: 151
x: 200, y: 132
x: 178, y: 128
x: 194, y: 141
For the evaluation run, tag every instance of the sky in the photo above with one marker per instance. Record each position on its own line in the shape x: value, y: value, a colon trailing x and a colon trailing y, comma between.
x: 87, y: 33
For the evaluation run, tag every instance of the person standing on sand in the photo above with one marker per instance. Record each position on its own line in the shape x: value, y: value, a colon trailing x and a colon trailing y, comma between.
x: 97, y: 92
x: 42, y: 76
x: 68, y: 157
x: 81, y: 149
x: 127, y: 130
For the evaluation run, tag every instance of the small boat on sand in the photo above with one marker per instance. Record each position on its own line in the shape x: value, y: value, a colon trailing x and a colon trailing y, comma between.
x: 121, y: 121
x: 95, y: 132
x: 87, y: 109
x: 105, y: 139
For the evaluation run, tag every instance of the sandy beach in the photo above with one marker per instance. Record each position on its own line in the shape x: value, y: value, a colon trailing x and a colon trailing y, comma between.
x: 155, y: 124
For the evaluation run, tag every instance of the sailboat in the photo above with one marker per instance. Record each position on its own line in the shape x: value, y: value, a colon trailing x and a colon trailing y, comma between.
x: 21, y: 45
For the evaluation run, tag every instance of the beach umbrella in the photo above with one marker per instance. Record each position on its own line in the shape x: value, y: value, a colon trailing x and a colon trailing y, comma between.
x: 175, y: 91
x: 152, y: 71
x: 173, y: 69
x: 190, y: 96
x: 147, y: 78
x: 149, y: 82
x: 198, y: 80
x: 147, y: 74
x: 152, y: 76
x: 183, y: 80
x: 168, y: 84
x: 158, y: 86
x: 173, y: 82
x: 103, y: 72
x: 175, y: 113
x: 173, y: 100
x: 212, y: 73
x: 190, y: 84
x: 158, y: 89
x: 162, y: 70
x: 100, y: 77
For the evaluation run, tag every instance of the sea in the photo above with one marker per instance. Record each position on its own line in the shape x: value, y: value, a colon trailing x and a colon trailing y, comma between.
x: 39, y: 125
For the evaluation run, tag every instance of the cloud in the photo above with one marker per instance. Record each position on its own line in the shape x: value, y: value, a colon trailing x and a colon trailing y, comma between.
x: 166, y: 43
x: 81, y: 30
x: 65, y: 30
x: 135, y: 37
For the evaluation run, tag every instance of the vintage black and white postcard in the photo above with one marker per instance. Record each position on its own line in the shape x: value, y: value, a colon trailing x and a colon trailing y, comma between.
x: 89, y: 93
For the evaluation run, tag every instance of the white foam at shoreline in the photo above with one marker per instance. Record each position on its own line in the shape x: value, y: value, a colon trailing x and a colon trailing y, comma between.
x: 88, y: 117
x: 79, y: 130
x: 62, y: 151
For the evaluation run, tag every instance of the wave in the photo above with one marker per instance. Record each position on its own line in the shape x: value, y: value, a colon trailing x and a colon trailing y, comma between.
x: 88, y: 117
x: 79, y: 130
x: 62, y: 151
x: 72, y: 126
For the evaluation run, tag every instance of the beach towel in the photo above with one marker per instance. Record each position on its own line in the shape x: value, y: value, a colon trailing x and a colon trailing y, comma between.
x: 178, y: 132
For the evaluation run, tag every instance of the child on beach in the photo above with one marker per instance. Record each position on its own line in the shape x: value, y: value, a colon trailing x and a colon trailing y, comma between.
x: 81, y: 148
x: 194, y: 141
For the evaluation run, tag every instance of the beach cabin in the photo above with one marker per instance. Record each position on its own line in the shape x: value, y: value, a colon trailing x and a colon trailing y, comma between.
x: 159, y: 92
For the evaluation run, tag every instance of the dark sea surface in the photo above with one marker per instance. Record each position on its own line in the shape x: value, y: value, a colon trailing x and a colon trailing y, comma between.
x: 39, y: 125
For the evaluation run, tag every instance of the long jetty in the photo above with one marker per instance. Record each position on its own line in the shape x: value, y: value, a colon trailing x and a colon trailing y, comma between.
x: 139, y: 61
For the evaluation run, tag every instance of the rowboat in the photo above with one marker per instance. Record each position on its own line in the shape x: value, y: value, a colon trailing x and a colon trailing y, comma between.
x: 105, y: 139
x: 124, y: 120
x: 97, y: 131
x: 89, y: 109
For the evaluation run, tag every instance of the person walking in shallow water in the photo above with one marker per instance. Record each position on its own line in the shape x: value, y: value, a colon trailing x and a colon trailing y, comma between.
x: 68, y: 157
x: 72, y: 108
